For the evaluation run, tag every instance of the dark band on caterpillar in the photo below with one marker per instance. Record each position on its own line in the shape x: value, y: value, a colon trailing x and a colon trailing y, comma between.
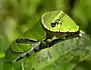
x: 25, y: 40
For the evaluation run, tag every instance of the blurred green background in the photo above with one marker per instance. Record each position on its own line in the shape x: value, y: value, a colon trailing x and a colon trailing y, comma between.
x: 19, y: 16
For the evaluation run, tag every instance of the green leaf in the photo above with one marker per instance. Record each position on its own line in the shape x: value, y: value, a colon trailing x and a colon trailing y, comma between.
x: 63, y: 55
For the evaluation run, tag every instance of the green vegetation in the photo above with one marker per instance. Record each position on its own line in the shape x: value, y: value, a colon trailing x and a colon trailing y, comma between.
x: 26, y: 45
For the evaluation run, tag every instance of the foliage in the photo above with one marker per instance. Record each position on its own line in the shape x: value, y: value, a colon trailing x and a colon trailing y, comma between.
x: 21, y: 18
